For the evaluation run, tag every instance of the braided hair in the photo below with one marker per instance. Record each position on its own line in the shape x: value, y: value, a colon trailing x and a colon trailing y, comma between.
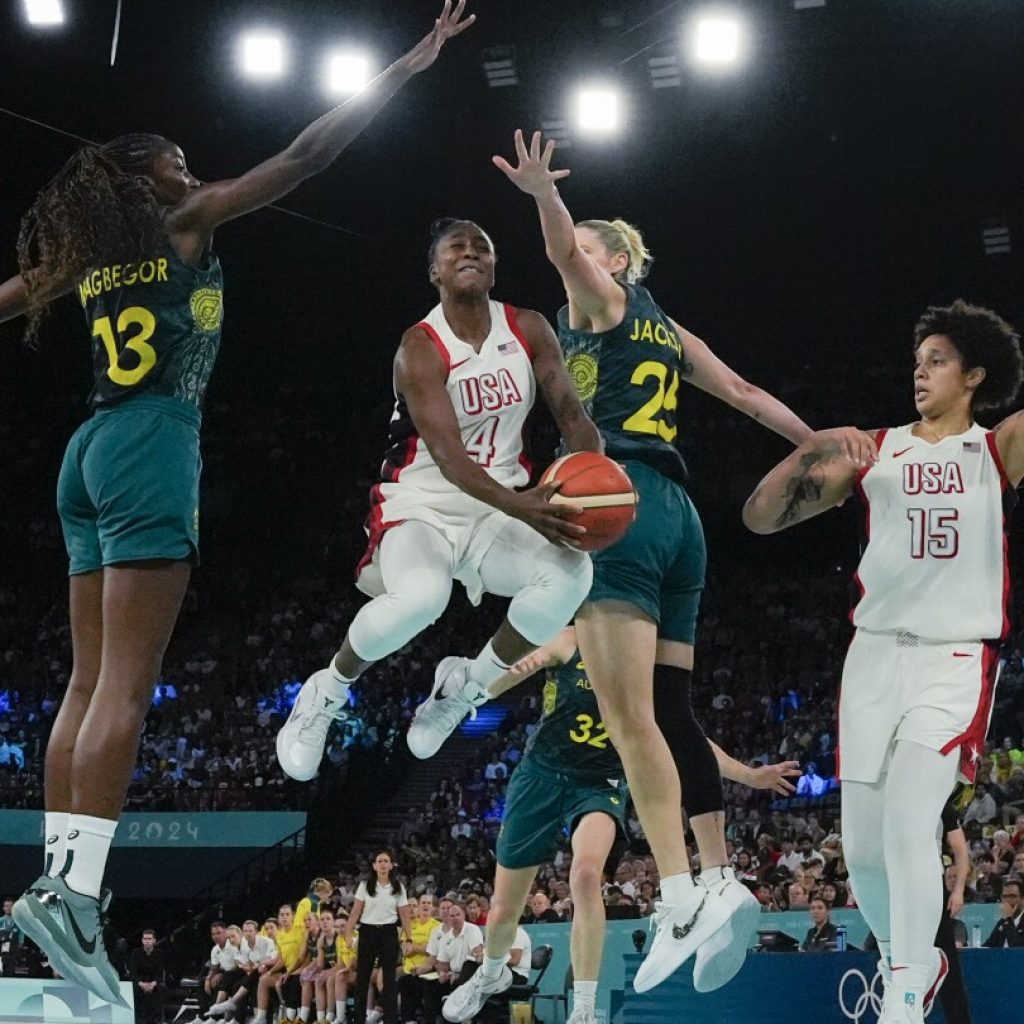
x: 99, y: 208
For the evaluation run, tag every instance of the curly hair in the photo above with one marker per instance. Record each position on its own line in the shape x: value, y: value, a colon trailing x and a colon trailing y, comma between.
x: 984, y: 340
x: 99, y: 208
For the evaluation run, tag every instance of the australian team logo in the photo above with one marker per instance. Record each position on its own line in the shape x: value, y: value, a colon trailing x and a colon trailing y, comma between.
x: 859, y: 999
x: 550, y: 696
x: 207, y: 305
x: 583, y: 371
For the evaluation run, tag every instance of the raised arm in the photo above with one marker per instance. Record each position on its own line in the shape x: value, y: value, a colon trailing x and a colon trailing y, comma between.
x: 317, y: 146
x: 706, y: 371
x: 14, y: 296
x: 591, y: 289
x: 420, y: 375
x: 816, y: 477
x: 575, y: 426
x: 556, y: 651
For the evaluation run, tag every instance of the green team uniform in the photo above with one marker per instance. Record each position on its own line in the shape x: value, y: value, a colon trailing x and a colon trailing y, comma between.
x: 129, y: 484
x: 628, y: 381
x: 569, y: 769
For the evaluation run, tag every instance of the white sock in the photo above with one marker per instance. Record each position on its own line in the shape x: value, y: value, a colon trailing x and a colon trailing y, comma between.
x: 491, y: 967
x: 486, y: 667
x: 261, y: 1016
x: 584, y: 993
x: 339, y: 1009
x: 336, y: 685
x: 303, y: 1013
x: 289, y: 1013
x: 56, y: 842
x: 88, y: 845
x: 910, y: 983
x: 676, y: 888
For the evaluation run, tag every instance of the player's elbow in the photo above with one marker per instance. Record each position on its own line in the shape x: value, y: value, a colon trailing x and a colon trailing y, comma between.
x: 756, y: 520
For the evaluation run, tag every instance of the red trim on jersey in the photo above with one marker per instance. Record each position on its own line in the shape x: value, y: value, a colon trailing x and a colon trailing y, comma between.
x: 436, y: 339
x: 524, y: 459
x: 972, y: 741
x: 513, y: 326
x: 859, y: 488
x: 990, y: 438
x: 375, y: 525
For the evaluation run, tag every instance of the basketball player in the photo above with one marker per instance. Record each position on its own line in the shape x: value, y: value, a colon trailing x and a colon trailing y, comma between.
x: 127, y: 227
x: 920, y: 673
x: 446, y: 509
x: 636, y: 629
x: 570, y: 777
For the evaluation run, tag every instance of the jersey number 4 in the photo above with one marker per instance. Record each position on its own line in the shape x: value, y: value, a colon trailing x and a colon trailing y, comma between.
x: 651, y: 417
x: 933, y: 533
x: 133, y: 316
x: 480, y: 444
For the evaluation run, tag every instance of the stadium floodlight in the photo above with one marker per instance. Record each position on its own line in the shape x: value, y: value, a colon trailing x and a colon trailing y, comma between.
x: 42, y: 13
x: 716, y: 40
x: 598, y: 109
x: 262, y: 54
x: 347, y: 73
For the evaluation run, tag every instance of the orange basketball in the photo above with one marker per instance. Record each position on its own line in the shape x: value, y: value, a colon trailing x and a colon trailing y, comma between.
x: 601, y: 488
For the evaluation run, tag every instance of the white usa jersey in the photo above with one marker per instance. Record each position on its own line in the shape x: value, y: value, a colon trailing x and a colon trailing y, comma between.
x: 936, y: 562
x: 492, y: 392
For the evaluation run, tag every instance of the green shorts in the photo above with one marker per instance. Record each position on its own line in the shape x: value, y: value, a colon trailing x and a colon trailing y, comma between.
x: 128, y: 488
x: 659, y: 564
x: 540, y: 803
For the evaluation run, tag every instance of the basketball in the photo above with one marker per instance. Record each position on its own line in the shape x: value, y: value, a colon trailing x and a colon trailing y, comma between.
x: 602, y: 489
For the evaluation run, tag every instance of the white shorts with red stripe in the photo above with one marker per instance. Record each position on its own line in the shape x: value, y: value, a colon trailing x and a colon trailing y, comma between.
x: 470, y: 527
x: 897, y: 686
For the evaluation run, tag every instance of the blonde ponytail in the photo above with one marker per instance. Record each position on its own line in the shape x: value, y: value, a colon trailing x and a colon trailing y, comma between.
x: 621, y: 236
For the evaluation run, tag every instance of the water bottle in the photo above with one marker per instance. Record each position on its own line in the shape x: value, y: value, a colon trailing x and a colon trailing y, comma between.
x: 841, y: 938
x: 976, y: 937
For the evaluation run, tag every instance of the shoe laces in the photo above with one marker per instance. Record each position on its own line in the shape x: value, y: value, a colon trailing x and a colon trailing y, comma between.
x: 318, y: 718
x: 450, y: 711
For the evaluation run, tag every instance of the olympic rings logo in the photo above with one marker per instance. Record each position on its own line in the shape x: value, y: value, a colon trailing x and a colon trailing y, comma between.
x: 869, y: 997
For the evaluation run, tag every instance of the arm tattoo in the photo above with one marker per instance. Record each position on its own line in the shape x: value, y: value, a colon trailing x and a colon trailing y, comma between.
x: 803, y: 487
x: 686, y: 369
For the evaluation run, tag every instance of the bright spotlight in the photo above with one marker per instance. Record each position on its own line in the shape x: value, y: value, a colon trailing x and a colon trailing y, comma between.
x: 598, y: 109
x: 44, y: 12
x: 347, y: 74
x: 262, y: 55
x: 716, y: 40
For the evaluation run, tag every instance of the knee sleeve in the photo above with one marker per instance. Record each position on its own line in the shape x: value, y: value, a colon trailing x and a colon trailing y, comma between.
x: 695, y: 761
x: 390, y: 621
x: 550, y: 599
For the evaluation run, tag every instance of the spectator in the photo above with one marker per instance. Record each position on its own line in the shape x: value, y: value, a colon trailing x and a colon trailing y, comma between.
x: 458, y: 956
x: 797, y: 898
x: 1009, y: 930
x: 821, y: 936
x: 982, y: 807
x: 810, y: 783
x: 541, y: 910
x: 791, y: 858
x: 149, y: 980
x: 10, y: 941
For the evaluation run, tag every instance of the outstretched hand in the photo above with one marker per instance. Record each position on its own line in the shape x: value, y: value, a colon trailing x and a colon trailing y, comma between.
x: 533, y: 175
x: 775, y: 776
x: 449, y: 24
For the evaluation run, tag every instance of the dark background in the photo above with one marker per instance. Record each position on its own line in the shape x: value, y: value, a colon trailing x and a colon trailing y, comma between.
x: 802, y: 210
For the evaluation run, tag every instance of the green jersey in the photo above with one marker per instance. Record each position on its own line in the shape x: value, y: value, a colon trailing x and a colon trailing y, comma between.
x: 570, y: 737
x: 155, y: 327
x: 628, y: 381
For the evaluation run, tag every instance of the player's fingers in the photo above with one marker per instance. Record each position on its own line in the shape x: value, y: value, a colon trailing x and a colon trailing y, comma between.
x: 503, y: 165
x: 463, y: 25
x: 549, y: 152
x: 535, y: 146
x: 551, y: 487
x: 558, y: 175
x: 521, y: 146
